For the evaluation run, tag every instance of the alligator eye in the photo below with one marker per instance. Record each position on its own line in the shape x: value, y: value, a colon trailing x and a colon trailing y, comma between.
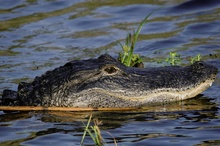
x: 110, y: 70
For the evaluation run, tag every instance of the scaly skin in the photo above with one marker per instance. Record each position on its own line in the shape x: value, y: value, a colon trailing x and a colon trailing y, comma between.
x: 105, y: 82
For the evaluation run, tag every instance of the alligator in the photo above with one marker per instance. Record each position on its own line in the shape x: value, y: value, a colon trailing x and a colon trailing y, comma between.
x: 105, y: 82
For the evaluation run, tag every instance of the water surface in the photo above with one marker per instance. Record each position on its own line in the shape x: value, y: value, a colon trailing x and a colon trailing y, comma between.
x: 39, y: 35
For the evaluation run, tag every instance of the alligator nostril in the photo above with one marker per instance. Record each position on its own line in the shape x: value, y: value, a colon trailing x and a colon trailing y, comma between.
x: 201, y: 64
x: 110, y: 70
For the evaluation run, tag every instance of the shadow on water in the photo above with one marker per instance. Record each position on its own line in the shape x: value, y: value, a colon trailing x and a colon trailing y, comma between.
x: 52, y: 124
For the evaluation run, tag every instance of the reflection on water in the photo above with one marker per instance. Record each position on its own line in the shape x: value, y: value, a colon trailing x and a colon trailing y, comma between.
x: 191, y: 119
x: 39, y: 35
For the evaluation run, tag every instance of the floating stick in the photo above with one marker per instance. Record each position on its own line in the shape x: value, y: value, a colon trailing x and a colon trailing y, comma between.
x: 41, y: 108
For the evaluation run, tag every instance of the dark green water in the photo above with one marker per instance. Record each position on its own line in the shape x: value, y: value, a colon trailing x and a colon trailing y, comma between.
x: 39, y: 35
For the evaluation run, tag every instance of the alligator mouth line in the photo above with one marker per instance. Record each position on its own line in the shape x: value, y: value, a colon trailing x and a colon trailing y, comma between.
x: 164, y: 95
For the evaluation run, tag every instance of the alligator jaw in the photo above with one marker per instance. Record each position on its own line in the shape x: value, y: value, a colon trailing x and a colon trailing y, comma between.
x: 157, y: 96
x: 170, y: 96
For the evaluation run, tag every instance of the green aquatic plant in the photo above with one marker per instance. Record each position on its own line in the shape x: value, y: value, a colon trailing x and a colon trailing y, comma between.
x: 195, y: 58
x: 127, y: 57
x: 94, y: 132
x: 173, y: 59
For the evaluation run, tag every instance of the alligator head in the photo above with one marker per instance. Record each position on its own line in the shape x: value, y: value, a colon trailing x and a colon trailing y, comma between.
x: 105, y: 82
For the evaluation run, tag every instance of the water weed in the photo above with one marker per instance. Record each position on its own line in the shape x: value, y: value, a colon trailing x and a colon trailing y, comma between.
x: 196, y: 58
x: 94, y: 132
x: 173, y: 59
x: 127, y: 57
